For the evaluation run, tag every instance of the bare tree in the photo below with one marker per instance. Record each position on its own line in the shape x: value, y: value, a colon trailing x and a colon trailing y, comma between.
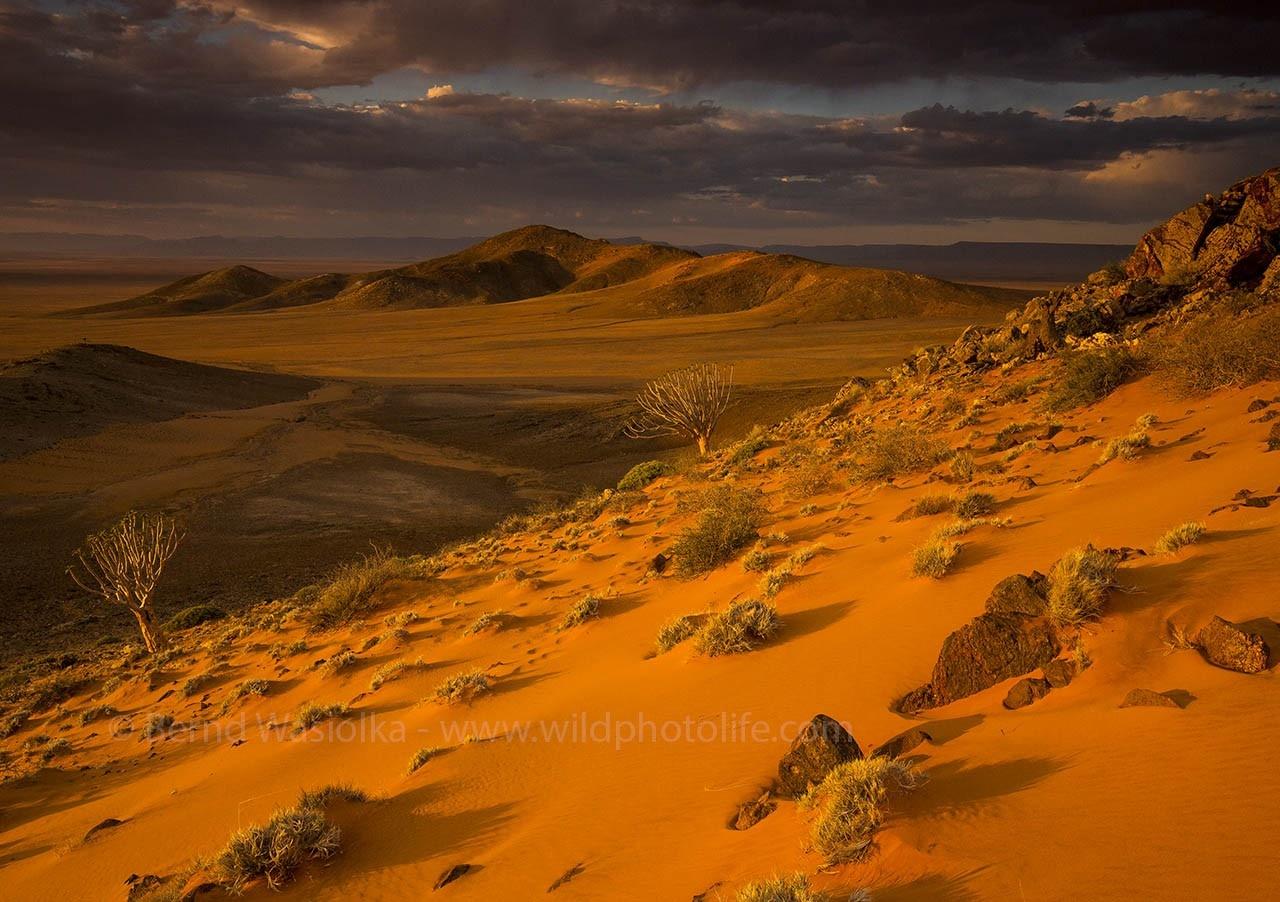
x: 685, y: 402
x: 123, y: 563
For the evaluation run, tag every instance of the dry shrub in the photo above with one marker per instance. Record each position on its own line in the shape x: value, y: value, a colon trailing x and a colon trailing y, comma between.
x: 311, y: 714
x: 851, y: 802
x: 349, y: 592
x: 673, y: 632
x: 788, y: 888
x: 421, y: 757
x: 463, y: 687
x: 493, y: 620
x: 394, y: 670
x: 1128, y: 447
x: 1089, y: 376
x: 730, y: 520
x: 276, y: 849
x: 741, y: 627
x: 812, y: 476
x: 1217, y: 352
x: 581, y: 612
x: 642, y: 474
x: 975, y: 504
x: 1180, y: 537
x: 935, y: 557
x: 896, y: 451
x: 1078, y: 585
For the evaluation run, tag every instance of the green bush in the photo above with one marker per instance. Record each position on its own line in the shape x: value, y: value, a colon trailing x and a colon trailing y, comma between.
x: 730, y: 520
x: 1089, y: 376
x: 642, y: 474
x: 194, y: 616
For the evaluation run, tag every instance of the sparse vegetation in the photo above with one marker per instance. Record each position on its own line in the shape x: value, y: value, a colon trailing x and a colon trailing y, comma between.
x: 1089, y: 376
x: 756, y: 561
x: 393, y: 671
x: 675, y: 631
x: 928, y: 505
x: 462, y: 688
x: 156, y: 725
x: 974, y: 504
x: 642, y: 474
x: 194, y: 616
x: 340, y: 661
x: 1180, y: 537
x: 729, y: 522
x: 783, y: 888
x: 421, y: 757
x: 581, y: 612
x: 935, y: 557
x: 349, y: 592
x: 489, y: 620
x: 755, y: 442
x: 313, y: 713
x: 96, y: 712
x: 245, y: 690
x: 1216, y: 352
x: 276, y: 849
x: 1078, y: 585
x: 851, y: 802
x: 742, y: 627
x: 812, y: 476
x: 896, y: 451
x: 1128, y: 447
x: 962, y: 467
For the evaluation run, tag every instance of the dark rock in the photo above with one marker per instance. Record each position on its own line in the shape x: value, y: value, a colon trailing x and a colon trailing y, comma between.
x: 451, y: 874
x: 1059, y: 673
x: 659, y: 563
x: 901, y: 744
x: 1200, y: 455
x: 104, y: 824
x: 567, y: 876
x: 1147, y: 698
x: 989, y: 649
x: 1259, y: 501
x: 1273, y: 438
x: 142, y: 886
x: 751, y: 813
x: 1026, y: 691
x: 821, y: 745
x: 1257, y: 404
x: 1019, y: 594
x: 1027, y: 483
x: 1226, y: 645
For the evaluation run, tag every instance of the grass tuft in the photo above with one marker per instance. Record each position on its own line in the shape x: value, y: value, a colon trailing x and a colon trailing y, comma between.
x: 935, y: 557
x: 580, y: 613
x: 312, y: 713
x: 730, y: 520
x: 1180, y: 537
x: 349, y: 592
x: 1078, y: 585
x: 462, y: 688
x: 851, y: 802
x: 673, y: 632
x: 740, y: 628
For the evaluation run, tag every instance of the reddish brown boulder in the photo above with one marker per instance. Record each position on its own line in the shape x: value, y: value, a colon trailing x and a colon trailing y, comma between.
x: 751, y: 813
x: 1147, y: 698
x: 821, y: 745
x: 901, y: 744
x: 1019, y: 594
x: 1026, y: 691
x: 1226, y: 645
x: 987, y: 650
x: 1059, y: 673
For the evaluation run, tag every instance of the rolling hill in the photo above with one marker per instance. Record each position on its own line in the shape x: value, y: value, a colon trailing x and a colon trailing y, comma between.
x: 539, y: 261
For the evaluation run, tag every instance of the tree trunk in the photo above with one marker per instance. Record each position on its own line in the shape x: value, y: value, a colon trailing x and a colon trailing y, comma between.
x: 146, y: 626
x: 704, y: 445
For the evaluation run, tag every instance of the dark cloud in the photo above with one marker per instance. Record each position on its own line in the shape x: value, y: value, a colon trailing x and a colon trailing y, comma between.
x: 197, y: 111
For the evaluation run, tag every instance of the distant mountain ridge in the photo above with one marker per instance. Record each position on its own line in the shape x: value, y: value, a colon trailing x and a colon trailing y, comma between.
x: 959, y: 261
x: 539, y: 261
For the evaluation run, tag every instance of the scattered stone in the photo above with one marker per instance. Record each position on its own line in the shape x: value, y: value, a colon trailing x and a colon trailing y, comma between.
x: 1200, y: 455
x: 1226, y: 645
x: 902, y: 743
x: 821, y: 745
x: 1059, y: 673
x: 141, y: 886
x: 1026, y: 691
x: 1273, y: 438
x: 753, y: 812
x: 1257, y: 404
x: 659, y: 563
x: 1019, y: 594
x: 104, y: 824
x: 1147, y: 698
x: 1027, y: 483
x: 451, y: 874
x: 1259, y: 501
x: 989, y: 649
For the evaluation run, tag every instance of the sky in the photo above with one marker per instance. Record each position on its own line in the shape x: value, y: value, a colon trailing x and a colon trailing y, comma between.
x: 692, y: 121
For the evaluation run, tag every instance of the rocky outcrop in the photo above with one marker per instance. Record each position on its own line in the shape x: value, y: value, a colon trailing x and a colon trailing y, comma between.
x: 1059, y: 673
x: 989, y: 649
x: 904, y: 742
x: 821, y: 745
x: 1019, y: 594
x: 1147, y: 698
x: 1025, y: 691
x: 1225, y: 644
x: 751, y: 813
